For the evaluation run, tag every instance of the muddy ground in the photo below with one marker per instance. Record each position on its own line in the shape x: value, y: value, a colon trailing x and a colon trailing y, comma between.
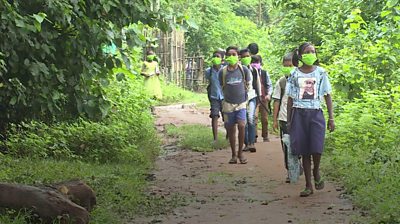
x: 218, y: 192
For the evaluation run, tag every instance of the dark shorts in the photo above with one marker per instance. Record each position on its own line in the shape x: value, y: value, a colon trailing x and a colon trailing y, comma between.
x: 307, y: 131
x: 233, y: 117
x: 215, y: 108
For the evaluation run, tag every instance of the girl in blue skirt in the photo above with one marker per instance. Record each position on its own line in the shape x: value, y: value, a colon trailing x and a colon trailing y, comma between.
x: 307, y: 85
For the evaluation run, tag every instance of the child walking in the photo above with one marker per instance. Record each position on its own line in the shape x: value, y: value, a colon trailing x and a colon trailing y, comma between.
x: 234, y: 79
x: 151, y: 73
x: 253, y: 96
x: 280, y: 104
x: 214, y: 92
x: 306, y: 122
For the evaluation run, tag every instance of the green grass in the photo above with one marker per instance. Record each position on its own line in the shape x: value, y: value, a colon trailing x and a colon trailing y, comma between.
x: 13, y: 217
x: 120, y: 187
x: 196, y: 137
x: 175, y: 94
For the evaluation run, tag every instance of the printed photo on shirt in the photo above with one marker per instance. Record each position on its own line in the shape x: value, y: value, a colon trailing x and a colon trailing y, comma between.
x: 308, y: 88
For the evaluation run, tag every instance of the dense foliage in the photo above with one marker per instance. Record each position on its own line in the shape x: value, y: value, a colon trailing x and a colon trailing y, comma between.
x: 54, y: 74
x: 217, y: 25
x: 358, y: 43
x: 51, y: 58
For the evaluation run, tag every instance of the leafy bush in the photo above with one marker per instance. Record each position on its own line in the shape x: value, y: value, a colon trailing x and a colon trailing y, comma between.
x: 364, y: 153
x: 52, y: 62
x: 123, y: 136
x: 113, y: 155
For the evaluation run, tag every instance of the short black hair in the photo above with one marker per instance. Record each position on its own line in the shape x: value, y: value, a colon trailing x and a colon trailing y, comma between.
x: 253, y: 47
x: 256, y: 59
x: 244, y: 50
x: 287, y: 57
x: 217, y: 52
x: 232, y: 48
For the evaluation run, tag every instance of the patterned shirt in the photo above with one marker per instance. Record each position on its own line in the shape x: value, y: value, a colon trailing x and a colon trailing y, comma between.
x: 308, y: 89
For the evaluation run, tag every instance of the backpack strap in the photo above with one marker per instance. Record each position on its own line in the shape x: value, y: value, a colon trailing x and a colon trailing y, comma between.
x: 209, y: 84
x: 246, y: 87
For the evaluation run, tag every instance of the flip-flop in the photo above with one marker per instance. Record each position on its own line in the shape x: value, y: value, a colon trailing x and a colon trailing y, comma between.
x: 233, y: 160
x: 320, y: 184
x: 306, y: 192
x: 242, y: 160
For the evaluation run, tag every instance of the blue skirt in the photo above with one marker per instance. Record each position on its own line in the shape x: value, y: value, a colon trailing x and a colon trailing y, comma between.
x: 307, y: 131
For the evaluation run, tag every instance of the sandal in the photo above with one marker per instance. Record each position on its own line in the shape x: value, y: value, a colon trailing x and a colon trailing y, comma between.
x: 306, y: 192
x: 242, y: 160
x: 252, y: 148
x: 233, y: 160
x: 320, y: 184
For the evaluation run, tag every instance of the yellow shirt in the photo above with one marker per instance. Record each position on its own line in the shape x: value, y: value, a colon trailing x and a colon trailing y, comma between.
x: 150, y: 68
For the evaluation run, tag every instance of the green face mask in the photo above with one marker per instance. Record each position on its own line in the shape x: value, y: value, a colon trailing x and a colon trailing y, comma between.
x: 216, y: 61
x: 150, y: 57
x: 246, y: 61
x: 309, y: 59
x: 286, y: 70
x: 232, y: 60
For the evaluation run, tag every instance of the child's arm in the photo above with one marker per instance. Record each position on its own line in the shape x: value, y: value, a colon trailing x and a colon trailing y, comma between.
x: 289, y: 112
x: 277, y: 96
x: 275, y: 113
x: 269, y: 87
x: 259, y: 85
x: 157, y: 69
x: 144, y: 70
x: 329, y: 105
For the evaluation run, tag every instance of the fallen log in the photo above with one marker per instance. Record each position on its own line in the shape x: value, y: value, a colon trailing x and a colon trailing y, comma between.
x: 48, y: 204
x: 78, y: 192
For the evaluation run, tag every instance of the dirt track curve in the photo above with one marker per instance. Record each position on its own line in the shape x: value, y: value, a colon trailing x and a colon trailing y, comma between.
x: 221, y: 193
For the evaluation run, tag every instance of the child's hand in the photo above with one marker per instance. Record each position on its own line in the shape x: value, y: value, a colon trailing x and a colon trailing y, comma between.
x: 288, y: 126
x: 331, y: 125
x: 275, y: 124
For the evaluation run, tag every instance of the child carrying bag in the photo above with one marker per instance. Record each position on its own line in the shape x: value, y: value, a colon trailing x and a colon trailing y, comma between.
x: 293, y: 161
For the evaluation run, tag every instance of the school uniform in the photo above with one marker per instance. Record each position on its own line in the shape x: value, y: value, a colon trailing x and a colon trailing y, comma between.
x: 307, y: 128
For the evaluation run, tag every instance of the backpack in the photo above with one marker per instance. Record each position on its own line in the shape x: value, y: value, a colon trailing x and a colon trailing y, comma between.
x: 225, y: 70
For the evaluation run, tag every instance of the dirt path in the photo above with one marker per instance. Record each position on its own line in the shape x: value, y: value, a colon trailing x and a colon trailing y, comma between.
x: 218, y: 192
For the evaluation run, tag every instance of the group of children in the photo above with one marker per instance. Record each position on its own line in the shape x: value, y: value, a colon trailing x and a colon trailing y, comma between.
x: 238, y: 85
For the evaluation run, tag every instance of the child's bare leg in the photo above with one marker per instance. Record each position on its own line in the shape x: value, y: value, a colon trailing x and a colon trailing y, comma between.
x: 307, y: 170
x: 316, y: 162
x: 241, y: 129
x: 231, y: 129
x: 214, y: 125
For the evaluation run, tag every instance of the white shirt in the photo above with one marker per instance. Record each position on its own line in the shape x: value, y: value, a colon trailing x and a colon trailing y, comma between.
x: 282, y: 116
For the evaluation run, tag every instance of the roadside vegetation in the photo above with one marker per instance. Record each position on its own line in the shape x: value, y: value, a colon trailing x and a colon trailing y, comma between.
x: 196, y: 137
x: 70, y: 109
